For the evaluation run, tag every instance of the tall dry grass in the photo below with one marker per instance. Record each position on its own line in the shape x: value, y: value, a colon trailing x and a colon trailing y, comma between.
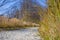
x: 15, y: 23
x: 50, y: 23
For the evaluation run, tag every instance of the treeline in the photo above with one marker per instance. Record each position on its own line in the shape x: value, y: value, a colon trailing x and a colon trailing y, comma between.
x: 29, y: 12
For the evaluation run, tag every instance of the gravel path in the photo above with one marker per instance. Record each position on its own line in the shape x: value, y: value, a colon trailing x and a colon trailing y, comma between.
x: 23, y: 34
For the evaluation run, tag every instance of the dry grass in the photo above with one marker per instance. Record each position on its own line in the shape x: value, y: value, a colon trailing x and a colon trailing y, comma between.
x: 50, y: 23
x: 49, y: 28
x: 14, y: 23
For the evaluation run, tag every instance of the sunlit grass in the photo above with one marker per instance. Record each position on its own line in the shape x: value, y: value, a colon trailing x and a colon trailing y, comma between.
x: 15, y: 23
x: 50, y: 24
x: 49, y: 28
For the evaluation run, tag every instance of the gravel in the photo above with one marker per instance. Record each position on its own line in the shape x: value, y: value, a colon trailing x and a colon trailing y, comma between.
x: 22, y: 34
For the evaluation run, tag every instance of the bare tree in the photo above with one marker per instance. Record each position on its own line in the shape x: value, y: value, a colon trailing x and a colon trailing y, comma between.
x: 30, y: 10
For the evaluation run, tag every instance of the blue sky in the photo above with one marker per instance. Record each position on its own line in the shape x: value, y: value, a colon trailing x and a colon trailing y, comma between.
x: 42, y: 3
x: 7, y: 6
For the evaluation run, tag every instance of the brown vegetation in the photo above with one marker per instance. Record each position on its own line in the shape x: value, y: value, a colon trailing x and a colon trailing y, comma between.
x: 14, y: 22
x: 50, y: 23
